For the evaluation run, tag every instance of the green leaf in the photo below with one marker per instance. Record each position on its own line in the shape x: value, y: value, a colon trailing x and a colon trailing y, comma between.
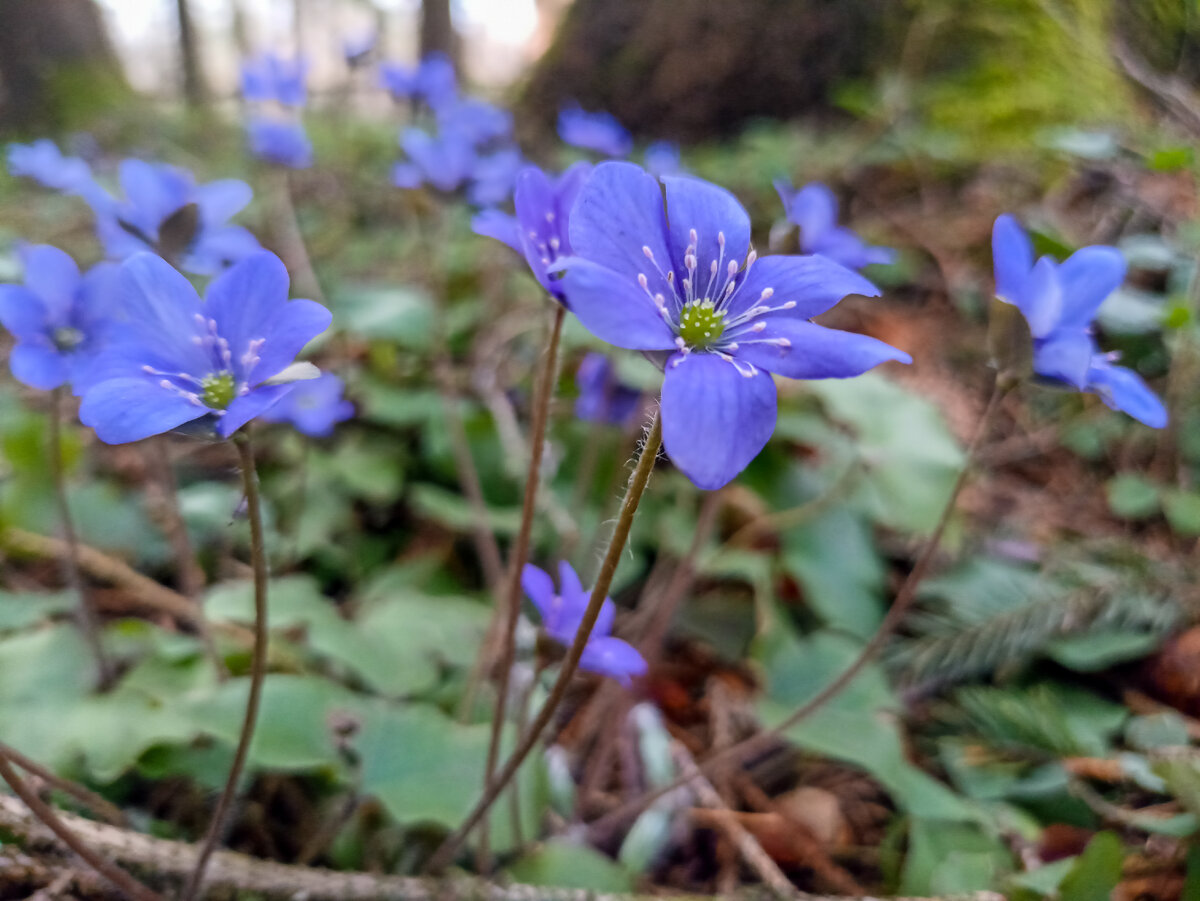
x: 1095, y: 651
x: 1157, y: 730
x: 1096, y: 872
x: 1132, y: 496
x: 951, y: 858
x: 400, y: 314
x: 563, y: 864
x: 1182, y: 509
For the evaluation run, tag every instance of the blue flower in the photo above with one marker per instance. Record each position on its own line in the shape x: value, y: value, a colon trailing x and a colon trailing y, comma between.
x: 815, y: 209
x: 1059, y: 302
x: 432, y: 81
x: 445, y: 161
x: 562, y: 612
x: 684, y: 280
x: 600, y: 132
x: 493, y: 177
x: 662, y: 158
x: 540, y: 228
x: 476, y: 121
x: 177, y: 359
x: 44, y: 163
x: 270, y: 78
x: 283, y: 142
x: 59, y: 318
x: 314, y: 406
x: 602, y: 398
x: 157, y: 194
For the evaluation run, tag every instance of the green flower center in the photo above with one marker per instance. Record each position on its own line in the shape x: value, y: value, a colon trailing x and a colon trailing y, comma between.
x: 701, y: 324
x: 67, y: 338
x: 218, y: 390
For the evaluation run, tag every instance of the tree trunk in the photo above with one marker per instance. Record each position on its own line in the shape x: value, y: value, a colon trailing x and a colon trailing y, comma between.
x: 55, y: 60
x: 194, y: 91
x: 437, y: 30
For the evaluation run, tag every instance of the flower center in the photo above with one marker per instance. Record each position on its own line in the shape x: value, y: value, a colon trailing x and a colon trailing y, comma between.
x: 67, y: 338
x: 701, y: 324
x: 217, y: 390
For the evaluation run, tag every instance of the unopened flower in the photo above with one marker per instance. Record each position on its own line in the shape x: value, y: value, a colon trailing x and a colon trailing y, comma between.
x: 598, y: 131
x: 562, y: 612
x: 177, y: 359
x: 313, y: 406
x: 815, y: 210
x: 683, y: 280
x: 540, y: 228
x: 166, y: 212
x: 59, y: 318
x: 1059, y: 301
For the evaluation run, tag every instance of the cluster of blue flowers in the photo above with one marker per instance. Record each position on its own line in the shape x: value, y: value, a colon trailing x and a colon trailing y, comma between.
x: 277, y: 88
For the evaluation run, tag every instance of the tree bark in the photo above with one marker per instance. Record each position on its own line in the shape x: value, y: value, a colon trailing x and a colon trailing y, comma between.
x: 437, y: 30
x: 55, y: 57
x: 194, y: 90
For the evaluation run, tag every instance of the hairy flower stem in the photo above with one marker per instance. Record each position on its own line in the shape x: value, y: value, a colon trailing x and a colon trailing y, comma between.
x: 258, y: 666
x: 633, y: 496
x: 887, y: 627
x: 89, y: 622
x: 44, y: 812
x: 510, y: 607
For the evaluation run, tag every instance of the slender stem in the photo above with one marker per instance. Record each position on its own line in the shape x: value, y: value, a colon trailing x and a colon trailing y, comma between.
x: 295, y: 251
x: 510, y: 607
x: 633, y: 496
x: 891, y: 621
x: 188, y: 570
x: 258, y: 661
x: 85, y: 796
x: 44, y: 812
x: 89, y: 623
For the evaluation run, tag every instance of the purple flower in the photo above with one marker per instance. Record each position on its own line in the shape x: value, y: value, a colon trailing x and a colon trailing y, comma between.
x: 815, y: 209
x: 562, y: 612
x: 44, y: 163
x: 476, y: 121
x: 314, y: 406
x: 683, y: 280
x: 493, y: 177
x: 600, y: 131
x: 177, y: 359
x: 540, y: 228
x: 271, y: 78
x: 155, y: 216
x: 59, y: 318
x: 445, y: 161
x: 432, y: 81
x: 1059, y: 302
x: 602, y: 398
x: 283, y: 142
x: 662, y: 158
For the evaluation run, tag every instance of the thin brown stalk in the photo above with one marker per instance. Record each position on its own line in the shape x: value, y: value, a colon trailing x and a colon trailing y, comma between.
x: 633, y: 496
x: 258, y: 668
x: 85, y: 796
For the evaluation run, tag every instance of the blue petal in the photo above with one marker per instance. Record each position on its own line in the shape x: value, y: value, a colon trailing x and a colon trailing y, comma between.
x: 292, y: 329
x: 613, y: 308
x: 568, y: 581
x: 498, y: 225
x: 218, y: 247
x: 1064, y: 356
x: 697, y: 205
x: 570, y: 183
x: 220, y: 200
x: 814, y: 208
x: 38, y: 366
x: 162, y: 309
x: 1040, y: 298
x: 130, y: 409
x: 613, y: 657
x: 22, y: 312
x: 246, y: 407
x: 539, y: 588
x: 246, y: 299
x: 53, y: 276
x: 1122, y: 389
x: 812, y: 283
x: 815, y: 352
x: 1088, y: 276
x: 715, y: 419
x: 155, y: 191
x: 1012, y: 257
x: 619, y: 212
